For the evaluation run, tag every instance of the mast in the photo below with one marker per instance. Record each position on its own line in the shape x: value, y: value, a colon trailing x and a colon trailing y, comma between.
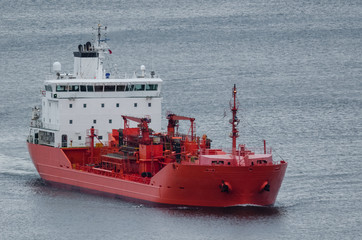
x: 88, y: 60
x: 234, y: 121
x: 99, y: 34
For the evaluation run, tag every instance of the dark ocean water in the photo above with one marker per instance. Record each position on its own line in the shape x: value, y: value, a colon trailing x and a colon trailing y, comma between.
x: 298, y: 69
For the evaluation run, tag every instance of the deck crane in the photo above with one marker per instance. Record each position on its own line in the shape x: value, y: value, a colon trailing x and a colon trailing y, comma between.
x: 173, y: 120
x: 143, y: 126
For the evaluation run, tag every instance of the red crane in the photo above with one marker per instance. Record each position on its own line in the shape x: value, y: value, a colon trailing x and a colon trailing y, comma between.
x: 143, y: 126
x: 173, y: 122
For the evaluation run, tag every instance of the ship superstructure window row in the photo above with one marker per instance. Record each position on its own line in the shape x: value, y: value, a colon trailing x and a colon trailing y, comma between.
x: 104, y: 88
x: 102, y: 105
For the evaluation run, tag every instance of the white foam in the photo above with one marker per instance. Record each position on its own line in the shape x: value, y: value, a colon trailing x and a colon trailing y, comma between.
x: 16, y: 165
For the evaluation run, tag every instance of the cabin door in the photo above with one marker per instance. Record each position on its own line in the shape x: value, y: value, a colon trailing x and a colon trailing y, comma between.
x: 64, y: 140
x: 36, y: 138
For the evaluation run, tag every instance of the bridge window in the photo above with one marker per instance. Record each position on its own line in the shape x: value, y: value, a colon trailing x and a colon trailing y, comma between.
x: 129, y: 87
x: 83, y: 88
x: 151, y: 87
x: 74, y: 88
x: 98, y: 88
x: 62, y: 88
x: 120, y: 88
x: 139, y: 87
x: 109, y: 88
x: 90, y: 88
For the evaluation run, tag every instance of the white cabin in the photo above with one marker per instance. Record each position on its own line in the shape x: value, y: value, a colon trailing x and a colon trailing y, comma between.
x: 73, y: 103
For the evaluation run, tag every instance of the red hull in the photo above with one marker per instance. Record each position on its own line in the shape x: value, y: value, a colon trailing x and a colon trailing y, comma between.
x: 176, y: 184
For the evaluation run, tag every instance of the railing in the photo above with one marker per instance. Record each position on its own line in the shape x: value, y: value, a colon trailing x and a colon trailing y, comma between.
x: 36, y: 124
x: 112, y: 173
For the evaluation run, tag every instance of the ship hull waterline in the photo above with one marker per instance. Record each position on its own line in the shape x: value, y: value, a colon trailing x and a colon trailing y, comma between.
x: 175, y: 184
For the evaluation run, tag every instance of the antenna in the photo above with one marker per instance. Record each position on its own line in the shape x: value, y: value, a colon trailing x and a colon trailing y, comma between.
x: 99, y: 34
x: 234, y: 121
x: 152, y: 67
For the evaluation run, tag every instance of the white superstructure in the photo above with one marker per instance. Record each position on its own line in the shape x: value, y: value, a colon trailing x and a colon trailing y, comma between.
x: 73, y: 103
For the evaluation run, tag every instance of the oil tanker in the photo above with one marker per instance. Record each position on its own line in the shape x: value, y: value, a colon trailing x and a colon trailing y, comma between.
x: 97, y: 132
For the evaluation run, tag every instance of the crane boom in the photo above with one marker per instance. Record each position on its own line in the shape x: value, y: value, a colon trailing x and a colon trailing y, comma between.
x: 173, y: 122
x: 143, y: 125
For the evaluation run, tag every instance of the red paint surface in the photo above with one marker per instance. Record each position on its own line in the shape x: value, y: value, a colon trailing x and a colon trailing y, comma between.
x: 176, y: 183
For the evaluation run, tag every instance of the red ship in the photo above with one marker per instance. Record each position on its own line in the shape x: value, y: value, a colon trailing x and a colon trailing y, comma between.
x: 139, y: 163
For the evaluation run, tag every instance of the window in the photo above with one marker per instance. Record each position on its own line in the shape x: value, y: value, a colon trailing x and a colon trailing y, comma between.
x: 45, y: 137
x: 94, y: 121
x: 102, y: 105
x: 98, y: 88
x: 139, y: 87
x: 117, y: 104
x: 120, y: 88
x: 149, y: 104
x: 151, y: 87
x: 84, y: 105
x: 90, y: 88
x: 109, y: 88
x: 135, y: 104
x: 100, y: 137
x: 70, y: 121
x: 74, y: 88
x: 83, y: 88
x: 110, y: 120
x: 79, y: 137
x: 61, y: 88
x: 129, y: 87
x: 70, y: 105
